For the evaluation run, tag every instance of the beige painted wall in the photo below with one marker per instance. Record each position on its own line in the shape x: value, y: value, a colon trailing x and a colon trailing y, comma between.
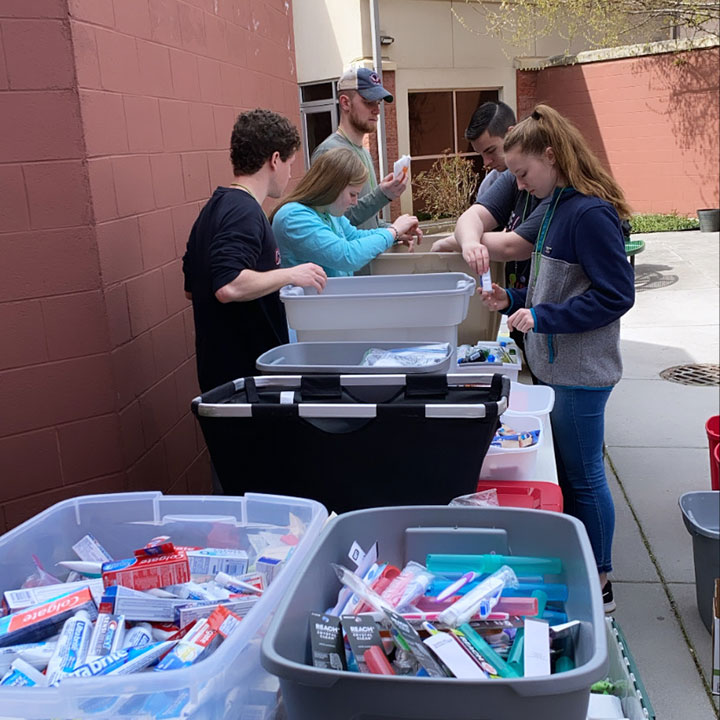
x: 432, y: 50
x: 328, y: 36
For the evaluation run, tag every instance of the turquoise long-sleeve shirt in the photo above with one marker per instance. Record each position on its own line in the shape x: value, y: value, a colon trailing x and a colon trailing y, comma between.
x: 331, y: 242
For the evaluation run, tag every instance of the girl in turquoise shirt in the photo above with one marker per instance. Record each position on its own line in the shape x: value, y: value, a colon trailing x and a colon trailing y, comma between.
x: 309, y: 225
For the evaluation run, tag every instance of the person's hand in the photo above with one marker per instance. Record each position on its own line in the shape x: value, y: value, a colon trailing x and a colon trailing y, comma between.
x: 497, y: 299
x: 308, y: 275
x: 522, y: 320
x: 408, y: 231
x: 477, y: 257
x: 446, y: 244
x: 393, y: 188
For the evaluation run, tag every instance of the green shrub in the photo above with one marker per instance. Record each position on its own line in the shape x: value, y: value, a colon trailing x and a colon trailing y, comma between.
x: 657, y: 222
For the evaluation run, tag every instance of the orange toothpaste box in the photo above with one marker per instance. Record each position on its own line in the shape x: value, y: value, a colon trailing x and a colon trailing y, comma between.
x: 146, y: 573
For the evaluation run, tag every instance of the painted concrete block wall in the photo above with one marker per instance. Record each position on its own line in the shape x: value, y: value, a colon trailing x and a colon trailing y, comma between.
x: 652, y: 119
x: 116, y: 118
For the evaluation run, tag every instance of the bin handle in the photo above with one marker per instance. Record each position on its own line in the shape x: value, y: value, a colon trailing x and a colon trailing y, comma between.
x: 466, y: 285
x: 200, y: 518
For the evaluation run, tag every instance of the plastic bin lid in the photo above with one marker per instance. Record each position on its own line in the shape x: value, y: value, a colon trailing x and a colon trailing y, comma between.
x: 701, y: 512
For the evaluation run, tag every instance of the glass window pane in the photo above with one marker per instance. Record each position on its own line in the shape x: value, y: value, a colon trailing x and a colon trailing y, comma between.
x: 466, y: 102
x: 431, y: 123
x: 319, y: 126
x: 318, y: 91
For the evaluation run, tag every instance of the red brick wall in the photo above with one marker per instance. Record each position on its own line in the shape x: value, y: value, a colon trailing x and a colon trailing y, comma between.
x: 653, y: 120
x: 115, y: 119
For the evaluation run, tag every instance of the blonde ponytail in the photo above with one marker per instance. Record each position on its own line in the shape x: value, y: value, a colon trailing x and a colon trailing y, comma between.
x: 546, y: 127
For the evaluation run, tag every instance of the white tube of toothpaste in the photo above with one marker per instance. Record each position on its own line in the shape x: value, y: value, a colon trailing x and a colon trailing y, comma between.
x: 486, y: 281
x: 36, y: 654
x: 72, y: 647
x: 22, y: 674
x: 138, y: 636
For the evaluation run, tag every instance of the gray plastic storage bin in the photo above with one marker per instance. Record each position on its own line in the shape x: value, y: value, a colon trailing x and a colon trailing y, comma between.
x: 409, y: 533
x: 384, y: 307
x: 224, y: 686
x: 701, y: 515
x: 340, y: 358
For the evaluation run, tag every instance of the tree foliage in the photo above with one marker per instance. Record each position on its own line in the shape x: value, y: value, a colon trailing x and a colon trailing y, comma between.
x: 446, y: 189
x: 596, y: 23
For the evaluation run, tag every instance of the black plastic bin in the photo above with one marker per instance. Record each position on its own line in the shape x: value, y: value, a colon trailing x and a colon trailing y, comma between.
x: 353, y: 441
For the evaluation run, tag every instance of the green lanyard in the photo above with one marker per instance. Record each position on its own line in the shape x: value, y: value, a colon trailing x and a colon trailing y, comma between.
x: 363, y: 155
x: 547, y: 219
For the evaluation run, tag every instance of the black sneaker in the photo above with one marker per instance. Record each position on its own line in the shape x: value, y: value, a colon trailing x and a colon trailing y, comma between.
x: 608, y: 599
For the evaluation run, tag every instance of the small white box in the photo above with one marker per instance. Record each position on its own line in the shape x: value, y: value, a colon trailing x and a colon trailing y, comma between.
x: 514, y: 463
x: 504, y: 368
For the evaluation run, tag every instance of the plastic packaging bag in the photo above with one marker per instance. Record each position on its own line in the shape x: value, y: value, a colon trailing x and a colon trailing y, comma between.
x: 401, y: 167
x: 484, y: 498
x: 420, y: 356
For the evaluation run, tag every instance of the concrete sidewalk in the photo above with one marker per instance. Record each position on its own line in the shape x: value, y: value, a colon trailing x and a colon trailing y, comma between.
x: 657, y: 450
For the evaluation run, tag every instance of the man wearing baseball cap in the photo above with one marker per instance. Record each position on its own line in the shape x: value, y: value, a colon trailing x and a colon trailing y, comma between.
x: 360, y: 93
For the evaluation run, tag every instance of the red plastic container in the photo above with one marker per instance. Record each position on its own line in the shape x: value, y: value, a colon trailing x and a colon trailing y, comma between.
x: 533, y: 494
x: 712, y: 428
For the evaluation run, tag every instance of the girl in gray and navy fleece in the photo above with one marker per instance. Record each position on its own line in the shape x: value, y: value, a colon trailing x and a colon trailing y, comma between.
x: 580, y: 285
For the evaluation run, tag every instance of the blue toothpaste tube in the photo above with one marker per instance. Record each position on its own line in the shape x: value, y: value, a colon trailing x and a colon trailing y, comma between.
x: 72, y: 647
x: 140, y: 658
x: 101, y: 666
x: 22, y: 674
x: 36, y: 654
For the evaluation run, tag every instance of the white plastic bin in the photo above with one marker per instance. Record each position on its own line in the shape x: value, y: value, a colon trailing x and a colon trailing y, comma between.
x: 480, y: 323
x: 511, y: 370
x: 514, y: 463
x: 426, y: 307
x: 224, y: 685
x: 535, y: 400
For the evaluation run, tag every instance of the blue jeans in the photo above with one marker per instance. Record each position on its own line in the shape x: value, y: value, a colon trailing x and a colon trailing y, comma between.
x: 578, y: 424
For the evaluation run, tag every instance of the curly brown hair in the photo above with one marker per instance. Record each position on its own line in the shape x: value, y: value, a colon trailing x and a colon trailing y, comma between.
x: 256, y: 135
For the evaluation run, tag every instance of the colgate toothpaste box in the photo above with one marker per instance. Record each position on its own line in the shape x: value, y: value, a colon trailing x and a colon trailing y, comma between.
x: 147, y: 572
x: 42, y: 621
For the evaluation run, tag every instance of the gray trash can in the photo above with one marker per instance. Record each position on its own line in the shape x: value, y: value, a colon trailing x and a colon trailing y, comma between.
x: 701, y: 515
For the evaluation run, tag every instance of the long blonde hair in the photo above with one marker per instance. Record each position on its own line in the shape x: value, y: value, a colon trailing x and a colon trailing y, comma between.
x: 329, y: 175
x: 546, y: 127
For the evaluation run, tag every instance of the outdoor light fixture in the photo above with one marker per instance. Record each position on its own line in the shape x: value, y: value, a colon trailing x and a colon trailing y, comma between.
x: 387, y: 39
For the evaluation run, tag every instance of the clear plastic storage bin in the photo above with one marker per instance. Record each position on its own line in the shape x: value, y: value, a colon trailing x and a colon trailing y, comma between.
x: 514, y: 463
x: 226, y: 684
x: 387, y: 307
x: 480, y: 323
x: 410, y: 533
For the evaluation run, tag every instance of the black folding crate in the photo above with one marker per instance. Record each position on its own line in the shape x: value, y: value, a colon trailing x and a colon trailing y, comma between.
x: 353, y: 441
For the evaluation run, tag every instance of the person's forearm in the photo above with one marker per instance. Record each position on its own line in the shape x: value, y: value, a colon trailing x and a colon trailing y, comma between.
x: 251, y: 285
x: 469, y: 228
x: 504, y: 246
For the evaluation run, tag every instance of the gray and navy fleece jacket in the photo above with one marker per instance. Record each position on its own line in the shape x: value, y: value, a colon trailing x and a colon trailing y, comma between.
x: 581, y: 284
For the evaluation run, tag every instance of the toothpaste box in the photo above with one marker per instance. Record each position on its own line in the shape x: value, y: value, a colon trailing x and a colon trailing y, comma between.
x: 135, y: 605
x: 42, y: 621
x: 208, y: 562
x: 16, y: 600
x: 186, y: 615
x: 269, y: 567
x: 148, y: 572
x: 206, y: 633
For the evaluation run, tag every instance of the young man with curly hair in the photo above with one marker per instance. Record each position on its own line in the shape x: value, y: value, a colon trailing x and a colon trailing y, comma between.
x: 232, y: 263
